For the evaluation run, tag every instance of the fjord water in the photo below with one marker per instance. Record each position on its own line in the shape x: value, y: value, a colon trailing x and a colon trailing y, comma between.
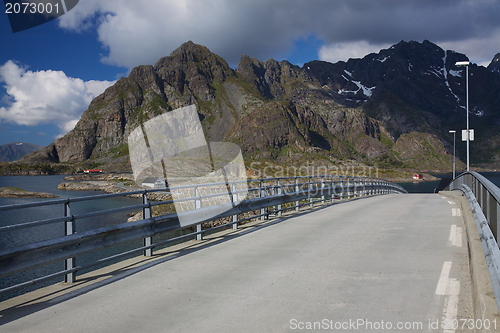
x: 429, y: 186
x: 24, y: 236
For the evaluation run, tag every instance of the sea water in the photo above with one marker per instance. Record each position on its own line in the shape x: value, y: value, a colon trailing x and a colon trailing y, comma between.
x: 25, y: 236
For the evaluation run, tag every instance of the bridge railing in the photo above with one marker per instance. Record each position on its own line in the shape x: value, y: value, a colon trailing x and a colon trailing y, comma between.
x: 265, y: 197
x: 484, y: 198
x: 486, y: 193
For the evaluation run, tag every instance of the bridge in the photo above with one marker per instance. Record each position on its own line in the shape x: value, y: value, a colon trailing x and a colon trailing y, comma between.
x: 346, y: 254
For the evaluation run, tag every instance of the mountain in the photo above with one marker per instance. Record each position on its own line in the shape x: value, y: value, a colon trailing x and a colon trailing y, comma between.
x: 390, y: 109
x: 16, y: 150
x: 494, y: 65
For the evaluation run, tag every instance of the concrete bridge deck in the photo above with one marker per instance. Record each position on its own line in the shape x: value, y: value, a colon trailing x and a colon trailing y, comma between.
x: 359, y: 266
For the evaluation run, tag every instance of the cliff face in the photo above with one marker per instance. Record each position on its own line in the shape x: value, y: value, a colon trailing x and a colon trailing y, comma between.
x: 366, y: 109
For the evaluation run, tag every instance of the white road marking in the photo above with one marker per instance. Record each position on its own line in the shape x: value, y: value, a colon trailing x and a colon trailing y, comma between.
x: 443, y: 279
x: 453, y: 234
x: 450, y: 288
x: 451, y: 305
x: 456, y: 236
x: 459, y: 237
x: 451, y: 202
x: 456, y: 212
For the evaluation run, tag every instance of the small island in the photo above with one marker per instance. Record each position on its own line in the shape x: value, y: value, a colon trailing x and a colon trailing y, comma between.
x: 14, y: 192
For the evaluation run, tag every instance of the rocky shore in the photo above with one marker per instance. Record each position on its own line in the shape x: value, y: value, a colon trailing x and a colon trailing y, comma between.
x: 110, y: 187
x: 14, y: 192
x: 100, y: 177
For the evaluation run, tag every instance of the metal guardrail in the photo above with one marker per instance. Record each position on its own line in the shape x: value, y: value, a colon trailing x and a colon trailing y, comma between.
x: 483, y: 197
x: 271, y: 196
x: 487, y: 194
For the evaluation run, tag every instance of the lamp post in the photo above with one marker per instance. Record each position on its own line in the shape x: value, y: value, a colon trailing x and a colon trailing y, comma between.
x: 454, y: 132
x: 466, y: 64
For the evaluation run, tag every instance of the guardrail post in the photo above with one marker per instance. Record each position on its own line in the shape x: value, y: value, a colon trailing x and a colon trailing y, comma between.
x: 273, y: 192
x: 279, y: 192
x: 69, y: 229
x: 235, y: 199
x: 262, y: 195
x: 146, y: 214
x: 332, y: 191
x: 356, y: 189
x: 341, y: 188
x: 297, y: 191
x: 484, y: 200
x: 353, y: 187
x: 198, y: 205
x: 322, y: 188
x: 479, y: 193
x: 309, y: 193
x: 475, y: 188
x: 360, y: 190
x: 492, y: 215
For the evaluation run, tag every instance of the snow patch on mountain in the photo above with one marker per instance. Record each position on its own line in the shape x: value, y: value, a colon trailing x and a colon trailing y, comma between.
x: 445, y: 74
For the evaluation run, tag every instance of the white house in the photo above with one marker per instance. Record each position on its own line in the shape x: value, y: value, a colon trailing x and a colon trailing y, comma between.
x: 153, y: 182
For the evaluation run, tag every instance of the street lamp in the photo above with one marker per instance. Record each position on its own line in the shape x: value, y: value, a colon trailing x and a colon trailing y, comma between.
x: 454, y: 132
x: 466, y: 64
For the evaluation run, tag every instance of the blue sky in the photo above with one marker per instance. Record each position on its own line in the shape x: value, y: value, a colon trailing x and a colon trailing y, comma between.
x: 50, y: 73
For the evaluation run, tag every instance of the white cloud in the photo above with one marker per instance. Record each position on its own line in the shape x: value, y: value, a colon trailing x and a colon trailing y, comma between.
x: 140, y: 32
x: 479, y: 50
x: 136, y: 32
x: 45, y: 96
x: 344, y: 51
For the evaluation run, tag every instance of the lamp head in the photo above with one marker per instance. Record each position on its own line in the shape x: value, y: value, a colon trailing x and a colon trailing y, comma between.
x: 453, y: 131
x: 462, y: 63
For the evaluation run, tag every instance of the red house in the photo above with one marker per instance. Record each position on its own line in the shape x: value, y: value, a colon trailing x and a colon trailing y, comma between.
x: 92, y: 171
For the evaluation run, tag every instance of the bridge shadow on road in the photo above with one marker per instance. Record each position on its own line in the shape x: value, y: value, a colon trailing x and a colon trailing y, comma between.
x: 24, y: 305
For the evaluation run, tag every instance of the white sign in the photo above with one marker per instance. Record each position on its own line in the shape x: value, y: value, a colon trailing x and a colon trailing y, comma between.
x: 471, y: 135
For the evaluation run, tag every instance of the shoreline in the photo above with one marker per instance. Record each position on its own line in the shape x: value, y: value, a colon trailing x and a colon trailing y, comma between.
x: 110, y: 187
x: 14, y: 192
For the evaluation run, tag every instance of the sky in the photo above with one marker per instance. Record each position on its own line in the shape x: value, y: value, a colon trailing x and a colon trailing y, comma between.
x: 49, y: 74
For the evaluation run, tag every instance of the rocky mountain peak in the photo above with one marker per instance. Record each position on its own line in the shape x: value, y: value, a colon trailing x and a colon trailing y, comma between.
x: 371, y: 109
x: 194, y: 57
x: 494, y: 65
